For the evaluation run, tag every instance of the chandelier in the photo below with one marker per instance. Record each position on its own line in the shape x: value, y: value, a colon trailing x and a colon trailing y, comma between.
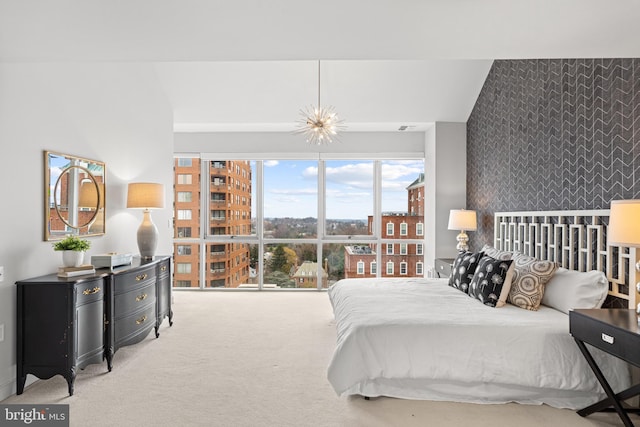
x: 319, y: 125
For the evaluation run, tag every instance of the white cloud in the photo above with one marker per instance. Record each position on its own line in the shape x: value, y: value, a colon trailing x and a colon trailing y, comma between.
x: 270, y: 163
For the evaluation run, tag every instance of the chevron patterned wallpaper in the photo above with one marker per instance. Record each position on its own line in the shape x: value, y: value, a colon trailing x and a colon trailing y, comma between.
x: 551, y: 135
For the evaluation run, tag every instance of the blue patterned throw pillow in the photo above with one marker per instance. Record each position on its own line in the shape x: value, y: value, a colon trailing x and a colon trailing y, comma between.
x: 463, y: 269
x: 492, y: 281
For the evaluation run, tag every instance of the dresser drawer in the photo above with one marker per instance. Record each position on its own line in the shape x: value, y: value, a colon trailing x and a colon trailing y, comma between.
x: 443, y: 266
x: 163, y: 268
x: 134, y: 299
x: 134, y: 324
x: 89, y: 291
x: 606, y: 337
x: 126, y: 281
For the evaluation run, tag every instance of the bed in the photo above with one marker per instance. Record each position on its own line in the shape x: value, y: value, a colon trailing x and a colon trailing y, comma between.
x: 420, y: 338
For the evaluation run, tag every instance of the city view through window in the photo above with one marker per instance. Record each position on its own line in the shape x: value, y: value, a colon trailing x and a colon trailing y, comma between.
x: 296, y: 223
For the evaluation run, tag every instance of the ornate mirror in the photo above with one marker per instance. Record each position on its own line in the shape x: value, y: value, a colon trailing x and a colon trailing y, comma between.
x: 74, y: 196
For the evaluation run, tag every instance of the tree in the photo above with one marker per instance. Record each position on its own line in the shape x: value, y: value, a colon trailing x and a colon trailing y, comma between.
x: 279, y: 260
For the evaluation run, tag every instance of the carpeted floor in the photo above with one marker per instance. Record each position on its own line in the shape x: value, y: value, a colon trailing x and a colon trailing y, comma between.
x: 255, y: 359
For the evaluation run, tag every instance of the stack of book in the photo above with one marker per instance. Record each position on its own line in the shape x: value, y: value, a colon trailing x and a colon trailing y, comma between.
x: 76, y: 271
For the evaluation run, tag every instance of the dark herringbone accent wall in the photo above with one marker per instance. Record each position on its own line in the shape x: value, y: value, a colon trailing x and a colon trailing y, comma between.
x: 552, y: 135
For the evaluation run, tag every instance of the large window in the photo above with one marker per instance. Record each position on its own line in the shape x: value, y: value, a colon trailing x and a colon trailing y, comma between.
x: 277, y: 224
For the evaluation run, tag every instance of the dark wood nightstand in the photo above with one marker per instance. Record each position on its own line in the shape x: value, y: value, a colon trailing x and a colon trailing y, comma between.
x: 443, y: 266
x: 616, y: 332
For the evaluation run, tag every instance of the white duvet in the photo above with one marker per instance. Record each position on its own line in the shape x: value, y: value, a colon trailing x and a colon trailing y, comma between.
x: 422, y: 339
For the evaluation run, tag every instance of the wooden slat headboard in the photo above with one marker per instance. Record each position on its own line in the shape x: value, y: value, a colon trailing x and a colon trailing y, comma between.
x: 577, y: 240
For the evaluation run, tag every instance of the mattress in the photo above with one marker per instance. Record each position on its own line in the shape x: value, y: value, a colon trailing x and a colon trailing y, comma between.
x: 419, y: 338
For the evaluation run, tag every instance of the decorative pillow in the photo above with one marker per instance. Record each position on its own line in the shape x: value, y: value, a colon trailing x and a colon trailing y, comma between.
x: 529, y: 278
x: 463, y: 269
x: 570, y: 289
x: 496, y: 253
x: 492, y: 281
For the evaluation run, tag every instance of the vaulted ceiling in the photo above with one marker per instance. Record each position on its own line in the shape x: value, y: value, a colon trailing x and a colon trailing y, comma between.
x: 252, y: 64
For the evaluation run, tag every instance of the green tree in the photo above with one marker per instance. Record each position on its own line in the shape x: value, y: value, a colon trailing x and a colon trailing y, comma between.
x: 279, y: 260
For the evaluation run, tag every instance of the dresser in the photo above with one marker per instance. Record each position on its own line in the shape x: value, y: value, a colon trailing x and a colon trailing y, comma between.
x: 443, y: 266
x: 65, y: 324
x: 139, y: 300
x: 59, y: 326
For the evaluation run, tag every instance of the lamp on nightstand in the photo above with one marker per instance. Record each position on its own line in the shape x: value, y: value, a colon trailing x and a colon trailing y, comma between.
x: 147, y: 196
x: 463, y: 220
x: 624, y: 227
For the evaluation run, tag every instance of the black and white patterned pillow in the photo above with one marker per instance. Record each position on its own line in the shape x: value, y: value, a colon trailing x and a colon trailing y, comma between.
x: 463, y: 268
x: 492, y: 281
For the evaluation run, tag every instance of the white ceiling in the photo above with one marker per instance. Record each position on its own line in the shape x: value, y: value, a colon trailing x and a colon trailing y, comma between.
x: 251, y: 64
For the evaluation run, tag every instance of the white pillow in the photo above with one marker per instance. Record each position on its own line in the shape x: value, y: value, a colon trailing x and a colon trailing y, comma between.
x: 568, y: 289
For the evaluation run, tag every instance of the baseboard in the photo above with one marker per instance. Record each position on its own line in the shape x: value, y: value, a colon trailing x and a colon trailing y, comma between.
x: 7, y: 389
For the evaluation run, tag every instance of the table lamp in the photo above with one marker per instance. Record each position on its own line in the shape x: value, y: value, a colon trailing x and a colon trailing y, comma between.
x: 147, y: 196
x: 624, y: 227
x: 463, y: 220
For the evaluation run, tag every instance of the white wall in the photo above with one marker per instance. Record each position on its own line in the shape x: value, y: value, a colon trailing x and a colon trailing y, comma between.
x: 109, y: 112
x: 445, y: 186
x: 287, y: 143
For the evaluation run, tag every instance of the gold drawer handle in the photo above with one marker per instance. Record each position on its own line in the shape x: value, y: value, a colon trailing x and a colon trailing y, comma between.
x: 91, y: 291
x: 141, y: 277
x: 141, y: 297
x: 163, y: 268
x: 141, y: 320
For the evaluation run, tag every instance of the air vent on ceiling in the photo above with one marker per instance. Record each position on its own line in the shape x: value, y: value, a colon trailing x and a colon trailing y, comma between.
x: 406, y: 127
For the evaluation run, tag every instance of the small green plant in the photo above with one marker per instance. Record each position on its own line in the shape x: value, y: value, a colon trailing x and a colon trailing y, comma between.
x: 72, y: 243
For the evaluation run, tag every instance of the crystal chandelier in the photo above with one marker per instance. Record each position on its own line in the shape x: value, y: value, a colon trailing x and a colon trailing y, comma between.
x: 319, y: 125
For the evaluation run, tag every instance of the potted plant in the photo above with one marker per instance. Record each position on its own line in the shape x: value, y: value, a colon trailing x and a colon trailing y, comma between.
x: 73, y: 249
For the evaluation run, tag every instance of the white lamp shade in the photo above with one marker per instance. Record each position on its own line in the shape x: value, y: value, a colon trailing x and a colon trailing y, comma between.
x: 145, y: 195
x: 462, y: 219
x: 624, y: 223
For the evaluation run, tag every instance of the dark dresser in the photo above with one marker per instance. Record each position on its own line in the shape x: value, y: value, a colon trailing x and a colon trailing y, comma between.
x: 65, y: 324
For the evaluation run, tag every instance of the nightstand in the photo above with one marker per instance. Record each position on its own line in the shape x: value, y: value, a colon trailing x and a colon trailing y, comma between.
x: 616, y: 332
x: 443, y: 266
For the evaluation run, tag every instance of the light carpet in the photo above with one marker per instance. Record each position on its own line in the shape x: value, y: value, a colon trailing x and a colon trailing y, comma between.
x: 255, y: 359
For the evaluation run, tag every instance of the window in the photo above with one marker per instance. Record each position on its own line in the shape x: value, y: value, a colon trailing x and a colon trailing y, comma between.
x: 184, y: 196
x: 217, y: 267
x: 389, y: 229
x: 184, y: 214
x: 183, y: 249
x: 184, y: 232
x: 218, y: 215
x: 183, y: 267
x: 419, y: 249
x: 185, y: 162
x: 217, y: 197
x: 230, y: 234
x: 182, y: 283
x: 184, y: 178
x: 419, y: 229
x: 419, y: 269
x: 403, y: 268
x: 217, y: 283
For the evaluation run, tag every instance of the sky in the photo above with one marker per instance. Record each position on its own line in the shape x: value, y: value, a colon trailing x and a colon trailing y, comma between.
x: 291, y: 187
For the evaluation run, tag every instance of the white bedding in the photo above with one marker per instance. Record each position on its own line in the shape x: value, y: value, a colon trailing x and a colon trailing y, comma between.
x: 422, y: 339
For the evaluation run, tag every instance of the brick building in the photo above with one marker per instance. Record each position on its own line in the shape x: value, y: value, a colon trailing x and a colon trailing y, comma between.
x: 398, y: 259
x: 229, y: 213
